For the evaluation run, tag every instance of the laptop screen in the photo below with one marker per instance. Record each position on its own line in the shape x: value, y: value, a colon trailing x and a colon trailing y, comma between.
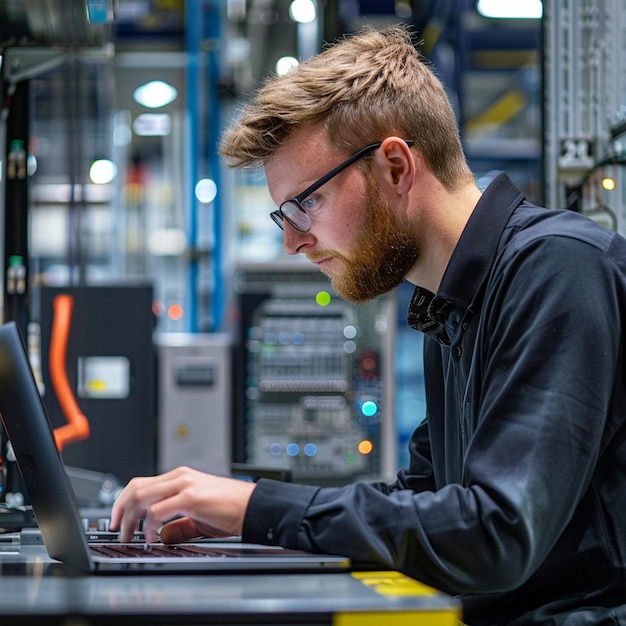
x: 47, y: 484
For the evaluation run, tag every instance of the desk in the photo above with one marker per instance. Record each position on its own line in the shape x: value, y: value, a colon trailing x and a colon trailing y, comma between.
x: 35, y: 589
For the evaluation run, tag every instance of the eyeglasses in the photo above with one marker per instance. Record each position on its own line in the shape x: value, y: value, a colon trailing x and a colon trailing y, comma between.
x: 292, y: 209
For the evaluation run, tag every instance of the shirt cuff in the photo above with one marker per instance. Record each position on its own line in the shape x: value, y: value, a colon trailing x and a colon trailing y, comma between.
x: 275, y: 512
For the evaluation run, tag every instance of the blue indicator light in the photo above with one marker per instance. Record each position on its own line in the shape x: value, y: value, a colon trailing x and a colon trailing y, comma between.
x: 275, y: 449
x: 293, y: 449
x: 310, y: 449
x: 270, y: 338
x: 369, y: 408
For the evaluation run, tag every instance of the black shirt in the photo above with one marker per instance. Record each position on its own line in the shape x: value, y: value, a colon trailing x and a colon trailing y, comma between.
x: 515, y: 494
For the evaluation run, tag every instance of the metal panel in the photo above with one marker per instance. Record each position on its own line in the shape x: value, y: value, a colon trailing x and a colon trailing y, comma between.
x: 194, y: 401
x: 585, y: 92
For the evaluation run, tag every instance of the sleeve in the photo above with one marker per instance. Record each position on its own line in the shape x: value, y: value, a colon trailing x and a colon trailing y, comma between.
x: 545, y: 377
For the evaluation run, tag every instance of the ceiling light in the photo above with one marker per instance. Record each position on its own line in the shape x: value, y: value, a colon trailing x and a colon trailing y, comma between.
x: 511, y: 9
x: 155, y: 94
x: 302, y: 11
x: 206, y: 190
x: 284, y: 64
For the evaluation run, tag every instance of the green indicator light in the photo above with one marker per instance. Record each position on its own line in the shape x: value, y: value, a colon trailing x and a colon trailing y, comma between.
x: 352, y: 457
x: 323, y: 298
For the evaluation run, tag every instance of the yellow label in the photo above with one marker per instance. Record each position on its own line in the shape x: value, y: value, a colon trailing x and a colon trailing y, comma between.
x: 445, y: 617
x: 394, y: 584
x: 397, y: 585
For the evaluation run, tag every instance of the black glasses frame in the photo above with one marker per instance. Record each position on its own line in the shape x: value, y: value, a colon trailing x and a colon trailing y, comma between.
x: 292, y: 209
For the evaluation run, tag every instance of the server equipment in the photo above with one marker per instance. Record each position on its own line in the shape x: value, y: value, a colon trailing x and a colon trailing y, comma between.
x: 314, y: 391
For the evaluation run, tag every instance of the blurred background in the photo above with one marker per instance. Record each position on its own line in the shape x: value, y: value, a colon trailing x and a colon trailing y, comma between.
x: 191, y: 336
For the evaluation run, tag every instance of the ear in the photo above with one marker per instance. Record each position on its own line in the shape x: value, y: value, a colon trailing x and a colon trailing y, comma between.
x: 396, y: 161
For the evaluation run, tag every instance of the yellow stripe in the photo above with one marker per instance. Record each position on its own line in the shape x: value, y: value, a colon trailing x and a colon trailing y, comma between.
x: 504, y: 109
x: 447, y: 617
x: 397, y: 585
x: 393, y: 584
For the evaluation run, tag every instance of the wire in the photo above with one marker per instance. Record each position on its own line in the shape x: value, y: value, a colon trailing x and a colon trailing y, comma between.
x: 77, y: 427
x: 575, y: 194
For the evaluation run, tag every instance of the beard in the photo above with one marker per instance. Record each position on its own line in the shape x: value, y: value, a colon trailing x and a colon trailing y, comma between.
x: 382, y: 254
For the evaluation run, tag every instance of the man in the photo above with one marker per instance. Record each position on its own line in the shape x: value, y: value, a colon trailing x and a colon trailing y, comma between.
x: 515, y: 494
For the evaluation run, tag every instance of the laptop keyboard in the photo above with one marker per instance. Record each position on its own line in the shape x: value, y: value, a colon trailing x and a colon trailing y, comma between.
x: 100, y: 536
x: 98, y: 532
x: 154, y: 550
x: 125, y: 550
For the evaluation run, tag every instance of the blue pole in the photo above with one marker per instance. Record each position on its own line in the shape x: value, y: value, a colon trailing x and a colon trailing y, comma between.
x: 193, y: 43
x: 214, y: 129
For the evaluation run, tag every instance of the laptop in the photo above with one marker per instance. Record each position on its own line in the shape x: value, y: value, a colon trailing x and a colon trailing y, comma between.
x: 49, y: 489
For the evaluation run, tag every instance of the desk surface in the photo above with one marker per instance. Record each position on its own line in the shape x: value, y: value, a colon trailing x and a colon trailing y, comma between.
x: 32, y: 586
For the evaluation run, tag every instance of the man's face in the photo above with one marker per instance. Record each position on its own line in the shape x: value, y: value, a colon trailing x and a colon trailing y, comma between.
x: 381, y: 254
x: 356, y: 238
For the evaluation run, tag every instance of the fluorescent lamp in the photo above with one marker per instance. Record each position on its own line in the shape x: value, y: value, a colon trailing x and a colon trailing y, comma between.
x: 155, y: 94
x: 510, y: 9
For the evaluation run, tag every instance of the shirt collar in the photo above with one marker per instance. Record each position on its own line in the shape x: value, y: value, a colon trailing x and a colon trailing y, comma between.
x: 440, y: 315
x: 433, y: 316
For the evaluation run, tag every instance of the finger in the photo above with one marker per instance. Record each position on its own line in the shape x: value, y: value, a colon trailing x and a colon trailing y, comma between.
x: 170, y: 510
x: 164, y: 500
x: 187, y: 529
x: 125, y: 515
x: 177, y: 531
x: 135, y: 502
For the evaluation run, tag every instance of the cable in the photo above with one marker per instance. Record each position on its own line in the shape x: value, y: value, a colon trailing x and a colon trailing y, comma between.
x: 77, y: 427
x: 574, y: 195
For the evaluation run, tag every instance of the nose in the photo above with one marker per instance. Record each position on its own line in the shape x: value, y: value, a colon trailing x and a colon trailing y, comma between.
x: 295, y: 241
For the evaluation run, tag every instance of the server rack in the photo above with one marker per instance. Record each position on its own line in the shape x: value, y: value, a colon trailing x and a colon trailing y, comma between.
x: 313, y: 377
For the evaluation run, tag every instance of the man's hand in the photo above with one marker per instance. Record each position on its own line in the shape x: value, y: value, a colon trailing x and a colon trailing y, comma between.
x: 207, y: 505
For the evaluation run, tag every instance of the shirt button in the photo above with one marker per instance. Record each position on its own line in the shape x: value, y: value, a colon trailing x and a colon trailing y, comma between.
x: 269, y: 535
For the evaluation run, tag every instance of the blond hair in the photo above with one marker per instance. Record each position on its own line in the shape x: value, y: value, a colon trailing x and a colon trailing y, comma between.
x: 364, y: 88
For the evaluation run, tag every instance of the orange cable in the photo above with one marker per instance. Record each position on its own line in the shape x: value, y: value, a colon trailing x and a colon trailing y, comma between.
x: 77, y: 427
